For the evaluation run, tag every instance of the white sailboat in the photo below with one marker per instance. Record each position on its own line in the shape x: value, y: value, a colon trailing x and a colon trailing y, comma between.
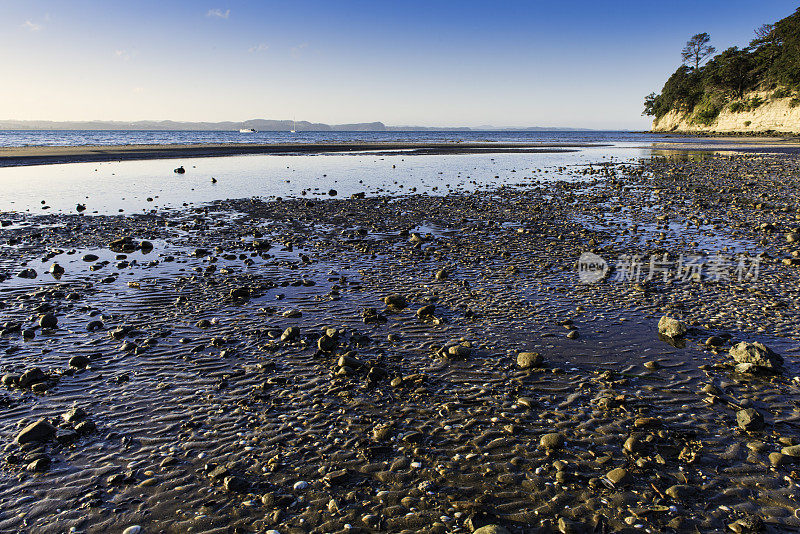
x: 294, y: 127
x: 247, y: 130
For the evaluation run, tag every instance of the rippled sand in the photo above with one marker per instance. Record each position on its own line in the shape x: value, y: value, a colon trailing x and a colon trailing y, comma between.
x: 213, y: 415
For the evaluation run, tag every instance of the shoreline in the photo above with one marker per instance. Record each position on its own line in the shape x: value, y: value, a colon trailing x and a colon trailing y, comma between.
x: 45, y: 155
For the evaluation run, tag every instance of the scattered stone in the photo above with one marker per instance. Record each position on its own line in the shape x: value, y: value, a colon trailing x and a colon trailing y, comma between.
x: 671, y: 327
x: 426, y: 312
x: 48, y: 320
x: 618, y: 476
x: 79, y: 361
x: 40, y: 431
x: 760, y: 356
x: 749, y: 420
x: 526, y: 360
x: 551, y: 441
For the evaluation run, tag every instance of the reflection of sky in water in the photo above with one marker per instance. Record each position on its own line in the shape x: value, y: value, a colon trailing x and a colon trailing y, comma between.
x: 108, y: 187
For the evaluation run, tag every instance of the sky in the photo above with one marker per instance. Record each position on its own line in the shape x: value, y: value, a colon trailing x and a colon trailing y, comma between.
x: 581, y: 63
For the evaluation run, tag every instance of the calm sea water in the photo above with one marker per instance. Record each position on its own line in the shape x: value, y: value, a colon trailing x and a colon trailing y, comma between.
x: 13, y: 138
x: 141, y: 186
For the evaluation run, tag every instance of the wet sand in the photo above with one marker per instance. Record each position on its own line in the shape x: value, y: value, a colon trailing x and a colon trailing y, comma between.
x: 42, y: 155
x: 354, y: 365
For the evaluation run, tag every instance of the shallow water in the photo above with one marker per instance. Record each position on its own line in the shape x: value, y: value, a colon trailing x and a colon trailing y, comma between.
x: 110, y: 188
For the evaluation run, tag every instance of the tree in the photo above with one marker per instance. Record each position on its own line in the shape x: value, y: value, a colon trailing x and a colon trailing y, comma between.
x: 697, y: 49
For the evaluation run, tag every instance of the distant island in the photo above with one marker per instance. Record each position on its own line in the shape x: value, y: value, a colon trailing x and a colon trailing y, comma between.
x: 754, y: 89
x: 261, y: 125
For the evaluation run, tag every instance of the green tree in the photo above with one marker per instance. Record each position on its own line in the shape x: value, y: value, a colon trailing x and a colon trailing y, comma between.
x: 697, y: 49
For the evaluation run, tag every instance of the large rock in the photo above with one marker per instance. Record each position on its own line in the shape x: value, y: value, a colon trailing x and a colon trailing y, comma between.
x: 41, y: 431
x: 749, y: 419
x: 526, y: 360
x: 667, y: 326
x: 756, y: 354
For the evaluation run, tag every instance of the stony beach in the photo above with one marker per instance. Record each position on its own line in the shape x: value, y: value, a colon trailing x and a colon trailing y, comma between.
x: 413, y: 363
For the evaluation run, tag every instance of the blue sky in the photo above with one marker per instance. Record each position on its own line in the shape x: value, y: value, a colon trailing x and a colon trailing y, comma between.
x: 579, y: 63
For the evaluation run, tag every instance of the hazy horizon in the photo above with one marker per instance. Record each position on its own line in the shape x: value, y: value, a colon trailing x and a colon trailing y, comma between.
x: 514, y: 64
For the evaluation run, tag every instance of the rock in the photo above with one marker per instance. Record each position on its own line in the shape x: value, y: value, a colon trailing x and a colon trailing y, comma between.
x: 39, y: 465
x: 334, y: 478
x: 491, y: 529
x: 670, y: 327
x: 28, y: 273
x: 80, y: 208
x: 634, y: 444
x: 398, y: 302
x: 792, y: 237
x: 442, y: 274
x: 90, y: 257
x: 791, y: 450
x: 459, y: 352
x: 572, y: 334
x: 749, y: 419
x: 300, y: 485
x: 40, y: 431
x: 56, y: 270
x: 426, y: 311
x: 240, y: 293
x: 79, y: 361
x: 85, y: 427
x: 179, y: 170
x: 333, y: 192
x: 75, y: 414
x: 133, y: 529
x: 290, y: 334
x: 618, y: 476
x: 757, y: 354
x: 371, y: 315
x: 48, y: 320
x: 714, y: 341
x: 327, y: 343
x: 526, y: 360
x: 292, y: 314
x: 776, y: 459
x: 551, y: 441
x: 236, y: 484
x: 681, y: 492
x: 31, y: 377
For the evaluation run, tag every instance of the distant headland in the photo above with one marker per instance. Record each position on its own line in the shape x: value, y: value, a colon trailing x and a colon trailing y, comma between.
x: 261, y: 125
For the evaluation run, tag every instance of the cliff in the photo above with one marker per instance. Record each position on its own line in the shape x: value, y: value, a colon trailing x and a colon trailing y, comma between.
x: 775, y: 114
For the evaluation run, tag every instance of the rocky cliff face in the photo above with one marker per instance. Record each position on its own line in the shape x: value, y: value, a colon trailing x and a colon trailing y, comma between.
x: 775, y: 114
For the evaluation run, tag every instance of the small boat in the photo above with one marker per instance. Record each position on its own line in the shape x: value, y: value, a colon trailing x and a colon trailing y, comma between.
x: 294, y: 126
x: 247, y: 130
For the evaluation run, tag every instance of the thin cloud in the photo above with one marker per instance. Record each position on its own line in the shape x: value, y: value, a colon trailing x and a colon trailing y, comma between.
x: 297, y: 50
x: 32, y: 26
x: 123, y: 54
x: 261, y: 47
x: 218, y: 13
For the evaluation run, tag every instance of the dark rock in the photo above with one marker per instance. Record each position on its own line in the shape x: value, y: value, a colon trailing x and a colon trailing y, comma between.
x: 749, y: 420
x: 236, y: 484
x: 40, y: 431
x: 756, y: 354
x: 32, y: 376
x: 79, y: 361
x: 526, y: 360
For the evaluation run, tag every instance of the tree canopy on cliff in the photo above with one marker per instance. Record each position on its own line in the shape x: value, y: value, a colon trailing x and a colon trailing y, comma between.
x: 770, y: 62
